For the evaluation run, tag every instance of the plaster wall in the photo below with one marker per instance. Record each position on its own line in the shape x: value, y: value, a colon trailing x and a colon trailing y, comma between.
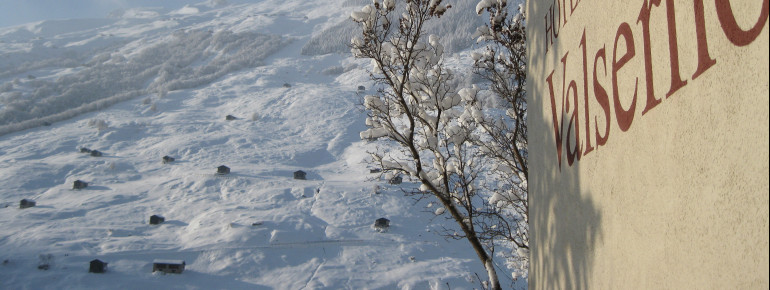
x: 648, y: 144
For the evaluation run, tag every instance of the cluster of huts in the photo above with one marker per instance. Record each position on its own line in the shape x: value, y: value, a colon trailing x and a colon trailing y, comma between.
x: 78, y: 184
x: 164, y: 266
x: 382, y: 224
x: 178, y: 266
x: 224, y: 170
x: 158, y: 265
x: 94, y: 153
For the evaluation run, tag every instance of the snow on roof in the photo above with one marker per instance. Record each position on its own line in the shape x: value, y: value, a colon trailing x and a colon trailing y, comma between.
x: 165, y: 261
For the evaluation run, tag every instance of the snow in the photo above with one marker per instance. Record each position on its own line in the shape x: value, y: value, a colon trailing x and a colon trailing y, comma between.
x: 154, y: 82
x: 186, y: 10
x: 161, y: 261
x: 483, y: 4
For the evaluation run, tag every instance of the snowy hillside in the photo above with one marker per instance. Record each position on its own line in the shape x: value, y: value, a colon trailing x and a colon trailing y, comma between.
x: 146, y: 83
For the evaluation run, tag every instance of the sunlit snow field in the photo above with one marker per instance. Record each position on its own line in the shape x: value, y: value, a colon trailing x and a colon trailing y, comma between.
x: 145, y: 83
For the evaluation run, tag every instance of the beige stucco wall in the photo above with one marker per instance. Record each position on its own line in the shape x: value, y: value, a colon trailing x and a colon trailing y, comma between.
x: 677, y: 200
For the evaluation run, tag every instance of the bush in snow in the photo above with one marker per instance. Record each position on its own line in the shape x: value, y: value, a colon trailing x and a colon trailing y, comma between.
x: 350, y: 66
x: 45, y: 261
x: 214, y: 3
x: 335, y: 70
x: 99, y: 124
x: 6, y: 87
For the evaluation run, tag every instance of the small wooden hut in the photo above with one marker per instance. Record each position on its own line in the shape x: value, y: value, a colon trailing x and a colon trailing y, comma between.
x: 168, y: 266
x: 168, y: 159
x: 25, y: 203
x: 395, y: 180
x: 156, y: 219
x: 79, y: 184
x: 97, y: 266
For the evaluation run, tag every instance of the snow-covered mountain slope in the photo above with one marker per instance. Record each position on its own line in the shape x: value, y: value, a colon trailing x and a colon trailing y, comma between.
x: 151, y: 83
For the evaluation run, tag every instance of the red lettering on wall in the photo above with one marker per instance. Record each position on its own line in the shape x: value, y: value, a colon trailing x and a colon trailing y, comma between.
x: 734, y: 33
x: 563, y: 11
x: 673, y: 50
x: 558, y: 124
x: 589, y: 148
x: 570, y: 106
x: 573, y: 123
x: 704, y: 58
x: 554, y: 22
x: 573, y: 6
x: 552, y: 28
x: 603, y: 99
x: 573, y: 120
x: 624, y: 117
x: 644, y: 18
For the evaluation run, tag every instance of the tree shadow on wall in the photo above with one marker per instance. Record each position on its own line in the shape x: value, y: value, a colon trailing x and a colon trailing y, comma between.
x: 565, y: 224
x: 565, y: 227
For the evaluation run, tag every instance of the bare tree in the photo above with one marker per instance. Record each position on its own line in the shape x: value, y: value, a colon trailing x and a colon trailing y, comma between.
x: 421, y: 112
x: 503, y: 67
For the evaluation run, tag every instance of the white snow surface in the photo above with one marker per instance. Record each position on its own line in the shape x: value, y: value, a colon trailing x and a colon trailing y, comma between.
x: 162, y: 84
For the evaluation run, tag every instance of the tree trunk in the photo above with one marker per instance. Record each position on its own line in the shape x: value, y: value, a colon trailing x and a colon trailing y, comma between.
x: 470, y: 235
